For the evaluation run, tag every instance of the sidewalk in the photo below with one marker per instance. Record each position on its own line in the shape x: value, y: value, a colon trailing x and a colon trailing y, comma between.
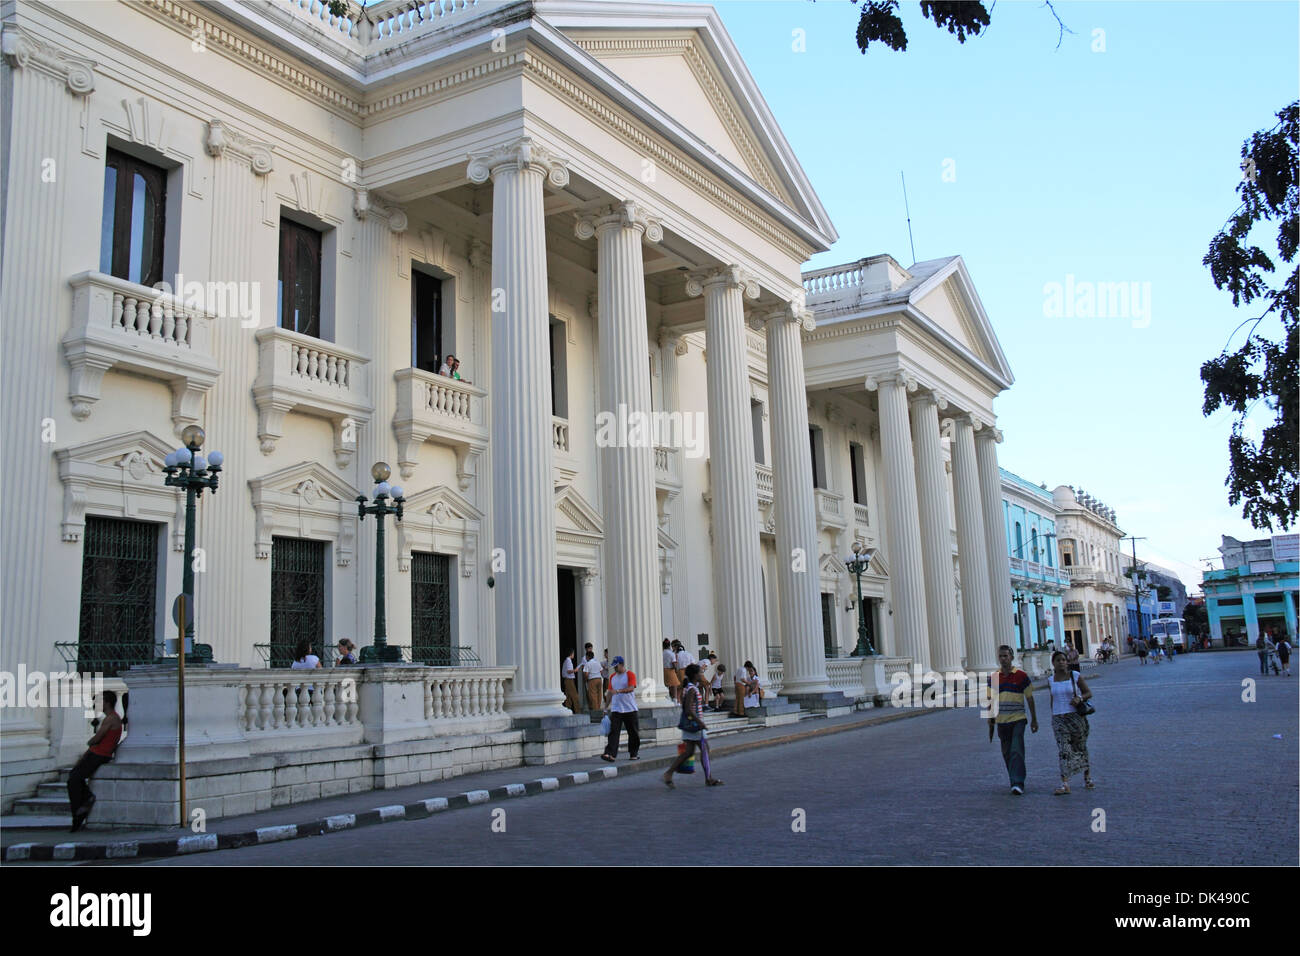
x: 348, y: 811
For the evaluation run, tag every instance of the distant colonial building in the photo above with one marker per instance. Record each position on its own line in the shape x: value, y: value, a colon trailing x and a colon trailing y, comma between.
x: 1038, y: 581
x: 591, y: 206
x: 1091, y: 555
x: 1257, y: 588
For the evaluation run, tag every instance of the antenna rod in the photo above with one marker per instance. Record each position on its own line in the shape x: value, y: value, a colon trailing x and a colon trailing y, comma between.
x: 907, y: 210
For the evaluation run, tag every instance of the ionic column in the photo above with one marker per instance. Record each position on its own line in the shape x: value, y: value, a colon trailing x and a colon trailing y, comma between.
x: 527, y: 634
x: 739, y: 592
x: 936, y: 550
x: 672, y: 346
x: 906, y: 569
x: 803, y: 649
x: 632, y: 627
x: 995, y: 532
x: 977, y: 611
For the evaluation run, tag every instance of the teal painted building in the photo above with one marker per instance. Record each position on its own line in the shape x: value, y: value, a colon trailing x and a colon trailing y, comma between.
x: 1256, y: 590
x: 1037, y: 580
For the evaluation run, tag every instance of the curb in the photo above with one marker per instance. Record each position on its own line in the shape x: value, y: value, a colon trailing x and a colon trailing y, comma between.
x: 206, y: 842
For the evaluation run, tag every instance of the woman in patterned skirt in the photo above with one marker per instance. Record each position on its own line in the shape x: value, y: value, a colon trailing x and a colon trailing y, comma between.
x: 1068, y: 689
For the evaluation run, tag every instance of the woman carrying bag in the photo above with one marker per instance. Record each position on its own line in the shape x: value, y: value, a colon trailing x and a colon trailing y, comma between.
x: 691, y: 724
x: 1070, y: 695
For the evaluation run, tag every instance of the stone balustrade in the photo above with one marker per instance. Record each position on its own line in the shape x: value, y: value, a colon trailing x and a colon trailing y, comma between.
x: 830, y: 509
x: 766, y: 488
x: 775, y: 679
x: 560, y: 434
x: 436, y: 408
x: 273, y: 702
x: 378, y: 25
x: 861, y: 516
x: 451, y: 693
x: 304, y: 374
x: 845, y: 675
x: 832, y: 280
x: 132, y: 328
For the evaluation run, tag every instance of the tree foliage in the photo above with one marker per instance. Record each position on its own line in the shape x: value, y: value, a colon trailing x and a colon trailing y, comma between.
x: 879, y: 22
x: 1262, y: 475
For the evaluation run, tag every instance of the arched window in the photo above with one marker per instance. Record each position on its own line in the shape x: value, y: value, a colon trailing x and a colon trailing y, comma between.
x: 1033, y: 535
x: 1020, y: 542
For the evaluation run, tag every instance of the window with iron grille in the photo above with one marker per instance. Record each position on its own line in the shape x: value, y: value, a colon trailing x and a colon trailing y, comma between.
x: 431, y: 609
x: 119, y: 581
x: 297, y: 597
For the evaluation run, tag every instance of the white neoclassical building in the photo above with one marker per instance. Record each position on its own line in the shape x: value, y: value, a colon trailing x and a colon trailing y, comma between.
x: 591, y: 207
x: 1091, y: 545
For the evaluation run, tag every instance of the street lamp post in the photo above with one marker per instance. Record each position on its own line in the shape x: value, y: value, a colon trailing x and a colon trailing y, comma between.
x: 856, y: 565
x: 380, y: 651
x: 188, y: 468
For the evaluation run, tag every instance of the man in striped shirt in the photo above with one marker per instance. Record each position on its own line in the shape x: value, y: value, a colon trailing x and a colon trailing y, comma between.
x: 1015, y: 692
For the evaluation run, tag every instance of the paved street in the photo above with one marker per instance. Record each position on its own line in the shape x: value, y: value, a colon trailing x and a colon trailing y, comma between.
x: 1187, y: 774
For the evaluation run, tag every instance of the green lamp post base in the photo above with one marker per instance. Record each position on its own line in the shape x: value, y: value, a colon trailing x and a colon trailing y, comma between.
x: 388, y: 654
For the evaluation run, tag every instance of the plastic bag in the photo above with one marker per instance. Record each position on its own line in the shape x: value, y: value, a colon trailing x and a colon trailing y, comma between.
x: 604, y: 725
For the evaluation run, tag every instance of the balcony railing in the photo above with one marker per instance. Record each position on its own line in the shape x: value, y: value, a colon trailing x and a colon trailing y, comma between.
x: 435, y: 407
x: 379, y: 25
x: 861, y: 516
x: 830, y: 509
x: 301, y: 373
x: 765, y: 486
x: 560, y: 434
x: 128, y: 327
x: 668, y: 476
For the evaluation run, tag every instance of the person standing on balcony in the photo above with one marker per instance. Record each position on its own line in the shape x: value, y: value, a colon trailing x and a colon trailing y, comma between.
x: 448, y: 364
x: 621, y: 704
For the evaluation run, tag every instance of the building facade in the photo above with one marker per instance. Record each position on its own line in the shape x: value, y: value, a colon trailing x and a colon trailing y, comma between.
x: 1256, y: 591
x: 661, y: 427
x: 1038, y: 582
x: 1090, y: 551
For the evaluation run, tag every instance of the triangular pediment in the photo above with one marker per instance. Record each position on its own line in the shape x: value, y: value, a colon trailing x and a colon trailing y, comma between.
x: 140, y: 454
x: 575, y: 515
x: 442, y: 506
x: 675, y: 70
x: 679, y: 59
x: 949, y: 301
x: 313, y: 482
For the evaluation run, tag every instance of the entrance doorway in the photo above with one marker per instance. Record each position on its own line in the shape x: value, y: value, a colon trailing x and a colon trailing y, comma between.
x: 567, y: 588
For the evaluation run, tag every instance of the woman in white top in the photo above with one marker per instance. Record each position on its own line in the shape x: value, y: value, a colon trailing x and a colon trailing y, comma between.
x: 304, y: 660
x: 1068, y: 689
x: 671, y: 680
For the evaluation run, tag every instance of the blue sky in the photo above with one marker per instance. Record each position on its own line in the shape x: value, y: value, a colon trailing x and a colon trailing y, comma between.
x: 1114, y: 166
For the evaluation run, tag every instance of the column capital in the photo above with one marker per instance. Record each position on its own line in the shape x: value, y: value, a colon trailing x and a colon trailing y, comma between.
x: 732, y: 276
x: 926, y: 395
x: 23, y: 50
x: 669, y: 336
x: 990, y: 433
x: 628, y: 214
x: 792, y: 312
x: 587, y: 577
x: 364, y: 204
x: 222, y: 140
x: 892, y: 377
x: 517, y: 154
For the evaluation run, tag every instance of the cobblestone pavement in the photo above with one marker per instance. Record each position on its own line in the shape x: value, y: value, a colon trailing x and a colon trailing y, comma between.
x: 1188, y: 773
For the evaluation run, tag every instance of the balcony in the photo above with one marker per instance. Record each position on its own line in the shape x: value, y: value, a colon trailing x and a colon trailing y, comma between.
x: 1080, y: 576
x: 300, y: 373
x: 560, y: 434
x: 766, y: 488
x: 440, y: 409
x: 668, y: 475
x: 120, y: 325
x: 830, y: 509
x: 861, y: 517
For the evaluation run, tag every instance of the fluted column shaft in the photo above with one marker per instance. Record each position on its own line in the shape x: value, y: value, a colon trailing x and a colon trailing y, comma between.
x: 936, y: 550
x: 522, y: 492
x: 995, y: 535
x: 803, y: 650
x: 977, y: 613
x: 632, y: 605
x: 906, y: 567
x: 738, y: 571
x: 591, y: 629
x: 671, y: 346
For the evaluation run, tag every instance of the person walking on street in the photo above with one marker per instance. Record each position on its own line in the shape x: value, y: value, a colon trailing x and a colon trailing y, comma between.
x: 1284, y: 655
x: 101, y: 747
x: 1142, y: 650
x: 621, y: 704
x: 1068, y: 691
x: 569, y: 681
x: 1015, y: 693
x: 595, y: 686
x: 1261, y: 648
x: 692, y: 727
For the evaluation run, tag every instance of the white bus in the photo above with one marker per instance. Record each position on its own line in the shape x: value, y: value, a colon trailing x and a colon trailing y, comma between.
x: 1170, y: 628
